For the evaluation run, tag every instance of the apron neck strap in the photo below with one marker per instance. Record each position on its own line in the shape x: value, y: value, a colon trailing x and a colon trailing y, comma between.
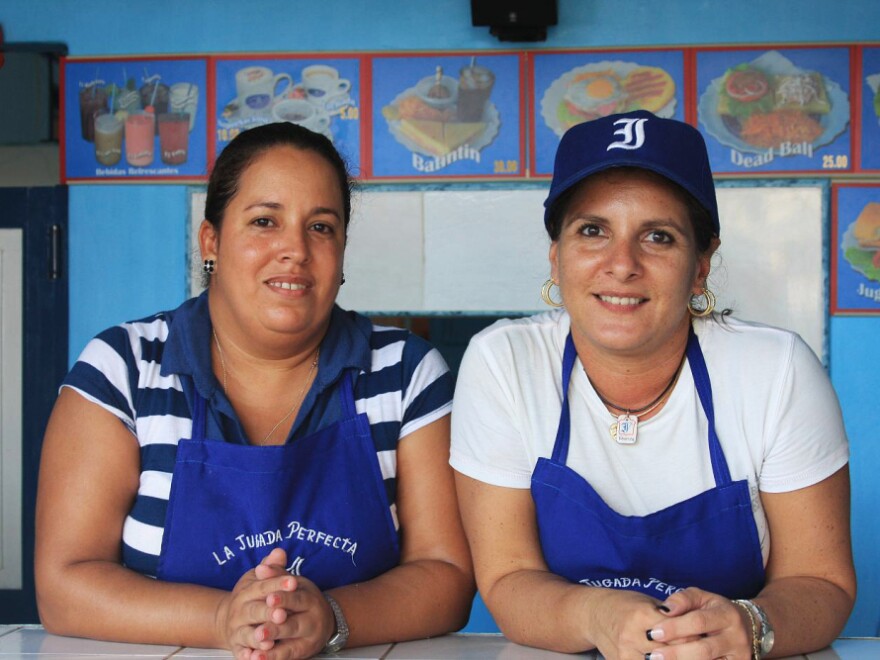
x: 200, y: 414
x: 346, y: 394
x: 563, y: 431
x: 704, y: 391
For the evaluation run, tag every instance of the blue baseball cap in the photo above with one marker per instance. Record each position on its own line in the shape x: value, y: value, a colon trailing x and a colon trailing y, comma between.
x: 670, y: 148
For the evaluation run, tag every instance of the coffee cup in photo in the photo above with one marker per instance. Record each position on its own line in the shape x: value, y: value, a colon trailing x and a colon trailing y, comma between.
x: 322, y: 82
x: 438, y: 91
x: 184, y: 97
x: 300, y: 111
x: 257, y: 88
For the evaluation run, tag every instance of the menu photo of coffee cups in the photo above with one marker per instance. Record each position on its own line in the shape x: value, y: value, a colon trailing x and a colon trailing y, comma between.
x: 134, y: 120
x: 311, y: 95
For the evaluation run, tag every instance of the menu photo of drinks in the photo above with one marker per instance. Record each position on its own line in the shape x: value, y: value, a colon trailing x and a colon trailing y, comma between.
x: 776, y: 110
x: 855, y: 250
x: 438, y: 115
x: 134, y: 119
x: 318, y: 93
x: 572, y: 88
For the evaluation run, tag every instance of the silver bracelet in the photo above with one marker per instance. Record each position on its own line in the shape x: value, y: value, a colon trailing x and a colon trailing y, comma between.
x: 764, y: 634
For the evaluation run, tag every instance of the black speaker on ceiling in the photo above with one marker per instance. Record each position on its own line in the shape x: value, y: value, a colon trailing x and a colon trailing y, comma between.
x: 515, y: 20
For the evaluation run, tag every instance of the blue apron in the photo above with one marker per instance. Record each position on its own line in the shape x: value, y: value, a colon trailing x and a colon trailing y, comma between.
x: 709, y: 541
x: 321, y: 498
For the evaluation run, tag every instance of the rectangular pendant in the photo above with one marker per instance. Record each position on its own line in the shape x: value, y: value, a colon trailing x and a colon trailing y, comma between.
x: 627, y: 430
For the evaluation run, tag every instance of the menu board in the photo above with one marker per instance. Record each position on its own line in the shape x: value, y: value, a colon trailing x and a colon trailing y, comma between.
x: 855, y: 252
x: 435, y: 116
x: 321, y: 93
x: 869, y: 78
x: 442, y: 116
x: 134, y: 119
x: 780, y: 110
x: 571, y: 88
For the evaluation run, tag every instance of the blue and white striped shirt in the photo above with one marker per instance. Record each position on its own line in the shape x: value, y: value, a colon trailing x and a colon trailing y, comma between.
x: 144, y: 372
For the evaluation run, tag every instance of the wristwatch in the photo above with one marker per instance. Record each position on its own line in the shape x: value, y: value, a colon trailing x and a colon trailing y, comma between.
x: 766, y: 636
x: 339, y: 639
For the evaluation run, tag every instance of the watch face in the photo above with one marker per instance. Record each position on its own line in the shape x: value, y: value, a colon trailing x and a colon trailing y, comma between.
x: 334, y: 645
x: 767, y: 642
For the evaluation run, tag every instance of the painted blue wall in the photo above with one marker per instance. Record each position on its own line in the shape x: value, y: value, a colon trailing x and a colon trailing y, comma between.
x: 127, y: 243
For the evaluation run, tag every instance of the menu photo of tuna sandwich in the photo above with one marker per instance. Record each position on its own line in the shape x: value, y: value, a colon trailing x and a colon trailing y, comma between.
x: 441, y: 113
x: 860, y: 243
x: 603, y: 88
x: 771, y: 104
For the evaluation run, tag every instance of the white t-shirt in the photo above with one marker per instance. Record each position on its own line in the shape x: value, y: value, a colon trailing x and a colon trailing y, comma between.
x: 776, y: 415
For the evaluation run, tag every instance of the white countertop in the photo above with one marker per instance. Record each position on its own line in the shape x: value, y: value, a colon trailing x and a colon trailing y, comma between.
x: 29, y: 642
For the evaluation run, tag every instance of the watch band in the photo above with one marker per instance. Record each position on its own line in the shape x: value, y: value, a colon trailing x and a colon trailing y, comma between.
x: 339, y: 639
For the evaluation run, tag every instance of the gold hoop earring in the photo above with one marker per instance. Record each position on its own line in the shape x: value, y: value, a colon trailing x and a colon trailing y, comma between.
x: 545, y: 294
x: 702, y: 310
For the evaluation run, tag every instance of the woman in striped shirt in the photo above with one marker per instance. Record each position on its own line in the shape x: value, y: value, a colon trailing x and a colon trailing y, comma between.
x: 257, y: 469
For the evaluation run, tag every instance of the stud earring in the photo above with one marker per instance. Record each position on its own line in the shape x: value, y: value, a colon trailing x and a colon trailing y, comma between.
x: 343, y: 280
x: 208, y: 266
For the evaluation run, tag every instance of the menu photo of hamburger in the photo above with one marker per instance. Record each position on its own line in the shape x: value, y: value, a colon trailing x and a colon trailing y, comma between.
x: 861, y: 242
x: 603, y: 88
x: 770, y: 104
x: 442, y: 115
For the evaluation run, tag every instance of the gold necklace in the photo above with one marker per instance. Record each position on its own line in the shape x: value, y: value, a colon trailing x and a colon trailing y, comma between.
x: 299, y: 398
x: 624, y: 430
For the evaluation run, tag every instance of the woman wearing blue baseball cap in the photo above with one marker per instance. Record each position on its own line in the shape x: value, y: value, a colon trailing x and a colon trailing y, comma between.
x: 636, y: 472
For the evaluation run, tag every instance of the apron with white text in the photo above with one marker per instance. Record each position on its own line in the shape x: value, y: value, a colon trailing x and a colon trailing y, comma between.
x: 320, y: 498
x: 709, y: 541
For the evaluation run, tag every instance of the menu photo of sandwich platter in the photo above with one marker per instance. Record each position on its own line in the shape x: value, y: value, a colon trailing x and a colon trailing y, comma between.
x: 870, y: 81
x: 322, y: 95
x: 856, y: 249
x: 571, y: 88
x: 785, y: 110
x: 447, y: 115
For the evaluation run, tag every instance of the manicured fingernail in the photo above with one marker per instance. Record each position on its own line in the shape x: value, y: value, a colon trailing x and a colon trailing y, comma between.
x: 655, y: 634
x: 655, y: 655
x: 287, y: 584
x: 663, y: 608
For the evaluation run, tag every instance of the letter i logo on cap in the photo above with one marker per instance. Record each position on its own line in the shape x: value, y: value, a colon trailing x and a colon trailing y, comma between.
x: 633, y: 134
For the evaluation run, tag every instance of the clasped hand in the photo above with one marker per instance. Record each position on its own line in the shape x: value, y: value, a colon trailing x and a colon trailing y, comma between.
x: 272, y: 615
x: 689, y: 625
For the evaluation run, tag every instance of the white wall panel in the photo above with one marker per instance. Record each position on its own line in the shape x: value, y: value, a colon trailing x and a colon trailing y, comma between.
x: 485, y: 251
x: 769, y: 266
x: 384, y: 260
